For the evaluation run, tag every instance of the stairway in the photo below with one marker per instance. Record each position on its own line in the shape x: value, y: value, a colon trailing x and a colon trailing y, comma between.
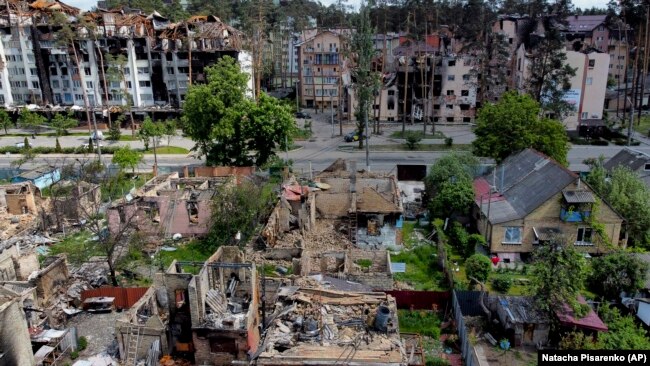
x: 133, y: 343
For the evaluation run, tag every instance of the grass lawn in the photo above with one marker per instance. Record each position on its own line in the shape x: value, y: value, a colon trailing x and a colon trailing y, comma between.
x: 128, y: 137
x: 641, y: 127
x: 192, y: 251
x: 422, y: 271
x: 119, y: 188
x: 399, y: 135
x: 420, y: 147
x: 77, y: 246
x: 301, y: 134
x: 423, y: 322
x: 167, y: 150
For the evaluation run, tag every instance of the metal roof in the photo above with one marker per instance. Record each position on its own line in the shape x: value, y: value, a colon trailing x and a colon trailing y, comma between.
x: 585, y: 23
x: 578, y: 196
x: 521, y: 309
x: 36, y: 172
x: 630, y: 158
x: 525, y: 181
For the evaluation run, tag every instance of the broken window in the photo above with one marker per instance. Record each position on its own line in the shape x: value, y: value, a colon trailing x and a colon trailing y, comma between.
x: 120, y: 211
x: 464, y: 93
x: 222, y: 345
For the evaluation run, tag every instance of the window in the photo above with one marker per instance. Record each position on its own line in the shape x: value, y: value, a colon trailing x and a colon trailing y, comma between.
x: 78, y: 97
x: 66, y: 83
x: 464, y: 93
x: 35, y: 85
x: 127, y: 71
x: 33, y: 71
x: 450, y: 92
x: 466, y: 77
x: 451, y: 77
x: 55, y: 84
x: 170, y: 70
x: 146, y: 96
x: 589, y: 81
x: 145, y: 84
x: 584, y: 115
x: 451, y: 63
x: 449, y: 106
x: 30, y: 58
x: 67, y: 97
x: 436, y: 106
x: 391, y: 92
x: 646, y: 167
x: 57, y: 98
x: 584, y: 236
x: 143, y: 70
x: 450, y: 119
x: 592, y: 63
x: 89, y: 84
x: 128, y: 85
x: 512, y: 235
x: 76, y: 83
x: 87, y: 71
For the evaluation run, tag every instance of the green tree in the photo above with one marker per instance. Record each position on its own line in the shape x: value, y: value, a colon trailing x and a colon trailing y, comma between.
x: 514, y: 124
x: 366, y: 80
x: 236, y: 208
x: 125, y: 157
x: 228, y: 127
x: 151, y: 131
x: 448, y: 185
x: 478, y: 266
x: 62, y: 122
x: 616, y: 272
x: 26, y: 143
x: 623, y: 332
x: 170, y: 129
x: 30, y: 120
x: 115, y: 132
x: 629, y: 196
x: 57, y: 146
x: 558, y: 275
x: 5, y: 120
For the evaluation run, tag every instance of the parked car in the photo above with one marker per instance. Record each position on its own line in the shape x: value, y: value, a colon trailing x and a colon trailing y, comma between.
x: 353, y: 136
x: 99, y: 136
x: 303, y: 115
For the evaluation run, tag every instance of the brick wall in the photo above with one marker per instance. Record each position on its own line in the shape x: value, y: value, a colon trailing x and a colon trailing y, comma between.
x: 332, y: 205
x: 7, y: 266
x: 18, y: 204
x: 51, y: 279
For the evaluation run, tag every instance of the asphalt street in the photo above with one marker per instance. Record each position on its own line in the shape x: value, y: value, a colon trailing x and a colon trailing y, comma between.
x: 320, y: 151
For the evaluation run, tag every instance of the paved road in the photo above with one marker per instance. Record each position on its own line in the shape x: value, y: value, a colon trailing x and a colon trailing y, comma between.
x: 320, y: 151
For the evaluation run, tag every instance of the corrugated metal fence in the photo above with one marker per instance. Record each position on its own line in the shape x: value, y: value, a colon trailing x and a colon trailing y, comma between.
x: 467, y: 350
x: 421, y: 300
x: 125, y: 297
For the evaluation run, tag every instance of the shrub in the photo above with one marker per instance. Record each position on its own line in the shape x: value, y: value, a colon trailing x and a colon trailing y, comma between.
x: 74, y: 355
x: 473, y: 241
x: 478, y: 266
x: 114, y: 133
x: 82, y: 342
x: 26, y: 143
x: 458, y: 236
x: 436, y: 361
x: 449, y: 141
x: 364, y: 263
x: 412, y: 139
x: 57, y: 148
x: 501, y: 284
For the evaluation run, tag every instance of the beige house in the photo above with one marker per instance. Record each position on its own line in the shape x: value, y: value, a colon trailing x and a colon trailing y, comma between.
x: 530, y: 198
x: 321, y: 61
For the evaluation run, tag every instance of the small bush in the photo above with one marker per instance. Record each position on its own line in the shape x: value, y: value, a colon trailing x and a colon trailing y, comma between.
x: 412, y: 139
x: 26, y: 143
x: 449, y: 141
x: 57, y: 148
x: 82, y: 342
x: 436, y: 361
x: 502, y: 284
x: 478, y: 266
x: 364, y: 263
x: 74, y: 355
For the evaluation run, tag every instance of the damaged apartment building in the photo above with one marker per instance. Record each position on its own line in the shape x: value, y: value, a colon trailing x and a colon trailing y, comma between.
x: 144, y: 56
x: 168, y: 206
x: 342, y: 227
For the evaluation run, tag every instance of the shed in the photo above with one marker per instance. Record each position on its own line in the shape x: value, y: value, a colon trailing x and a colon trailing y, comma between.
x: 42, y: 177
x: 522, y: 320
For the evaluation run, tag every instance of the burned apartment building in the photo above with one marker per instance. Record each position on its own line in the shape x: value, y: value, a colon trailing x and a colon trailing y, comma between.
x: 168, y: 205
x: 144, y: 57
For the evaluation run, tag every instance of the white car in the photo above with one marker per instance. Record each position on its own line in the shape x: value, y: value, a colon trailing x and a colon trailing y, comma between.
x: 100, y: 136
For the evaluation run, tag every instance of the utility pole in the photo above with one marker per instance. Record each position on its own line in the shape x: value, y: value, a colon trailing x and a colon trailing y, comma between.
x: 332, y: 112
x: 99, y: 145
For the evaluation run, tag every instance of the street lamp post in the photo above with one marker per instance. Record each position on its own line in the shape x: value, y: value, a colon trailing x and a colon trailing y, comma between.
x: 297, y: 97
x: 332, y: 111
x: 99, y: 147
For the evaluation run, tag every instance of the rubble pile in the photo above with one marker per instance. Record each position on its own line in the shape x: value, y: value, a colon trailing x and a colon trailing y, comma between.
x: 311, y: 323
x: 12, y: 225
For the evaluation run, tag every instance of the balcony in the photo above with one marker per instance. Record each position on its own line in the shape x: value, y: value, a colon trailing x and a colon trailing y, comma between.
x: 568, y: 215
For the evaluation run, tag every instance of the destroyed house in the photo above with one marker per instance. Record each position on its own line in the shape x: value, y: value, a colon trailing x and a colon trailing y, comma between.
x: 168, y: 205
x: 74, y: 201
x: 15, y: 346
x: 324, y: 327
x: 370, y: 204
x: 41, y: 177
x: 19, y: 198
x: 224, y: 305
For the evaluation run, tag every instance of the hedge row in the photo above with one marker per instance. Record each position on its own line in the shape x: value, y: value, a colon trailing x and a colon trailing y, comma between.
x: 52, y: 150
